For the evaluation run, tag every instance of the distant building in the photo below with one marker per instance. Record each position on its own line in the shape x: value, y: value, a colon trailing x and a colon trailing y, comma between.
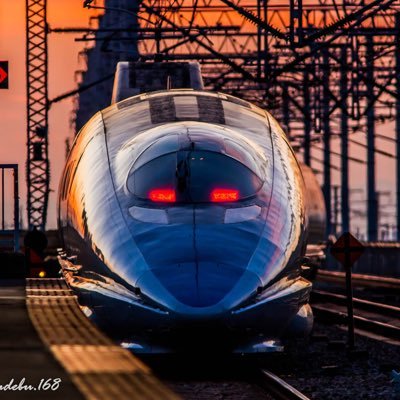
x: 102, y: 59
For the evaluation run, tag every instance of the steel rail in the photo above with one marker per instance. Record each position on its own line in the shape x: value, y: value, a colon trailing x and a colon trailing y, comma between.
x: 359, y: 279
x: 367, y: 323
x: 280, y: 389
x: 372, y: 326
x: 362, y: 304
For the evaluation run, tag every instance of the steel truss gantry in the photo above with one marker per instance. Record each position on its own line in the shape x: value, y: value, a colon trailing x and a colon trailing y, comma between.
x: 325, y: 68
x: 37, y: 166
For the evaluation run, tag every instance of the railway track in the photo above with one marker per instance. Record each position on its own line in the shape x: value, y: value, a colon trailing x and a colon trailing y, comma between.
x: 376, y: 318
x: 359, y: 280
x: 278, y: 388
x: 234, y: 378
x: 261, y: 384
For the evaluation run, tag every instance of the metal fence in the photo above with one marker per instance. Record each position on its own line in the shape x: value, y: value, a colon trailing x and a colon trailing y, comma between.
x: 9, y: 238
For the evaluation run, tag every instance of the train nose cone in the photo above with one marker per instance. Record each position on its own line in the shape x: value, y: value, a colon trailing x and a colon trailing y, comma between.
x: 201, y: 264
x: 208, y: 287
x: 201, y: 285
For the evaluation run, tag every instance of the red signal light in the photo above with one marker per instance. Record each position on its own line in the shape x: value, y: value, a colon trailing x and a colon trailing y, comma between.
x: 163, y: 195
x: 221, y: 195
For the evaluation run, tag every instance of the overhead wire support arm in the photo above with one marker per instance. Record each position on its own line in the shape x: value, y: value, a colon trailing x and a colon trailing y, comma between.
x: 280, y: 48
x: 79, y: 90
x: 322, y: 45
x: 225, y: 29
x: 340, y: 155
x: 375, y: 150
x: 87, y: 4
x: 207, y: 47
x: 257, y: 21
x: 330, y: 29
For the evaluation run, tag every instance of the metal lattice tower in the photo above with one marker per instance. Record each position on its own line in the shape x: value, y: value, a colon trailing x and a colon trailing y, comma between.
x: 37, y: 167
x: 325, y: 68
x: 103, y: 58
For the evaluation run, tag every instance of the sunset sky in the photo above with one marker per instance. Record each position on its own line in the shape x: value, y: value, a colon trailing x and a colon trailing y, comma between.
x: 63, y: 61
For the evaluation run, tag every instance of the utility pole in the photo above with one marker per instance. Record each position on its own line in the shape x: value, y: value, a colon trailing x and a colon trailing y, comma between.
x: 307, y: 118
x: 296, y: 22
x: 371, y: 202
x: 285, y: 108
x: 336, y: 210
x: 397, y: 55
x: 344, y: 128
x: 379, y: 194
x: 259, y: 40
x: 326, y: 140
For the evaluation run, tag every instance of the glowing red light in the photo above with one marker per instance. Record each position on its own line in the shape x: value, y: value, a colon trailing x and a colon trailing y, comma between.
x: 163, y: 195
x: 220, y: 195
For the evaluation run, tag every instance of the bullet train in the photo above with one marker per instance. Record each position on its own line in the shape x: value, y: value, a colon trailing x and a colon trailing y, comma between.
x: 183, y: 218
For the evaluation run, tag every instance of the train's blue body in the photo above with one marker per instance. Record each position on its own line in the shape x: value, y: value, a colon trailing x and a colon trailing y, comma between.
x: 183, y: 213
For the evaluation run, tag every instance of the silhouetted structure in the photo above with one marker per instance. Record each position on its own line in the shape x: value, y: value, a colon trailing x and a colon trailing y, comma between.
x: 37, y: 164
x: 110, y: 47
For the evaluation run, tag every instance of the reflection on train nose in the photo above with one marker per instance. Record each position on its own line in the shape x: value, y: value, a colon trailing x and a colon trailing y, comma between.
x: 160, y: 216
x: 197, y: 285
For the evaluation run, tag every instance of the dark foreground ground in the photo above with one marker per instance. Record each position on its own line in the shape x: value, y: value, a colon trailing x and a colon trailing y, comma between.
x: 320, y: 367
x: 324, y: 370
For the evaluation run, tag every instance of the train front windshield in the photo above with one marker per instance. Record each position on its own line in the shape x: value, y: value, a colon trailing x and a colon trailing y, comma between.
x: 193, y: 176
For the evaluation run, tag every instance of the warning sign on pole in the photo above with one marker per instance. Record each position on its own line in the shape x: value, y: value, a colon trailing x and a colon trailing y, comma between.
x: 3, y: 74
x: 348, y: 250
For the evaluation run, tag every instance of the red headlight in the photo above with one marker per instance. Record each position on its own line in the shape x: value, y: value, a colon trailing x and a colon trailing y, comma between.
x: 221, y: 195
x: 163, y: 195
